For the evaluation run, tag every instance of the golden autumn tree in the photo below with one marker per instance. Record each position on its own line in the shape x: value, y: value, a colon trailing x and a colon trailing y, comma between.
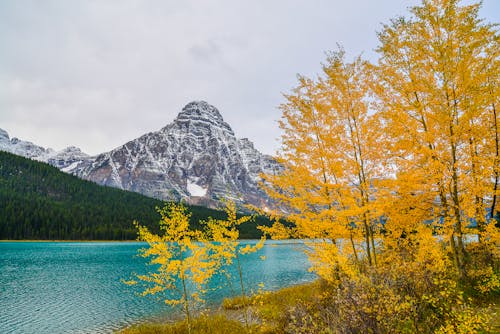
x: 378, y: 159
x: 182, y: 265
x: 438, y: 91
x: 331, y: 164
x: 225, y: 248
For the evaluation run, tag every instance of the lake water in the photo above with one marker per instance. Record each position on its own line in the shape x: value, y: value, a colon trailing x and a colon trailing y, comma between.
x: 75, y: 287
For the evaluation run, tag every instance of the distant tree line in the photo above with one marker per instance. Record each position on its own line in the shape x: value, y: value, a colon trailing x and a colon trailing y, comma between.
x: 37, y: 201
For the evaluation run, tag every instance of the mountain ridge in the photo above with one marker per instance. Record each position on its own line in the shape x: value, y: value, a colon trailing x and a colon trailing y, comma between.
x: 196, y: 158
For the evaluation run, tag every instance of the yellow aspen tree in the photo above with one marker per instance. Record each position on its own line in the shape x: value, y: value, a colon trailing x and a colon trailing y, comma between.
x: 434, y: 74
x: 182, y: 265
x: 225, y: 248
x: 492, y: 119
x: 331, y: 164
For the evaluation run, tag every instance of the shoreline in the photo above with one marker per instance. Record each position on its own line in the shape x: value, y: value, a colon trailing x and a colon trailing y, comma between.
x: 57, y: 240
x: 274, y: 242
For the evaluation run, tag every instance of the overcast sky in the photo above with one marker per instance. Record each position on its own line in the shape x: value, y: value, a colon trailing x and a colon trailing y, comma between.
x: 96, y: 74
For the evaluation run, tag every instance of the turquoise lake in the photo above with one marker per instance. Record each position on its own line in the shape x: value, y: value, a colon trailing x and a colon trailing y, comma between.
x: 75, y: 287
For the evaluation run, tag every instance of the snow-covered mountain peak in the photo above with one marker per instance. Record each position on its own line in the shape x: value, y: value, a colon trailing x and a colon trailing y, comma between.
x: 67, y: 159
x: 72, y: 150
x: 21, y: 147
x: 196, y: 158
x: 200, y: 109
x: 203, y: 113
x: 70, y: 156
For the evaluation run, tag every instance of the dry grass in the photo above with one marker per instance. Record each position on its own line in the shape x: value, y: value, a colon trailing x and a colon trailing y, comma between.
x: 216, y: 324
x: 268, y: 312
x: 264, y: 311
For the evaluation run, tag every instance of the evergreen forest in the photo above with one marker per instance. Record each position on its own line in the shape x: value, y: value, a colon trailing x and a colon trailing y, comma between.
x: 39, y: 202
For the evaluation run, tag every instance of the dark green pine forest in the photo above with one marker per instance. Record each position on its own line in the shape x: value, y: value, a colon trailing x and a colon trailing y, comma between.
x: 39, y: 202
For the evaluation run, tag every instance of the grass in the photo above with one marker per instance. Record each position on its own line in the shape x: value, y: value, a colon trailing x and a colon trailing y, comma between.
x: 265, y: 311
x: 489, y: 307
x: 217, y: 324
x: 270, y: 306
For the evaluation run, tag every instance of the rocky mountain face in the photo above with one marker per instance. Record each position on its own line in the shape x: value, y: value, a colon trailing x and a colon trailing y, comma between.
x: 197, y: 158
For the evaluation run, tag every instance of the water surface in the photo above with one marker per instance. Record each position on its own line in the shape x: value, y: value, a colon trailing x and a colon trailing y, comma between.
x: 75, y: 287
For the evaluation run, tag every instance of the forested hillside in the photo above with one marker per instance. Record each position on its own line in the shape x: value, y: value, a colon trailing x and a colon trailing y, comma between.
x: 37, y: 201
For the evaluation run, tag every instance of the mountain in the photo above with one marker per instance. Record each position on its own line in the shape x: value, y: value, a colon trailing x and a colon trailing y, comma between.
x: 66, y: 159
x: 38, y: 201
x: 196, y: 158
x: 23, y: 148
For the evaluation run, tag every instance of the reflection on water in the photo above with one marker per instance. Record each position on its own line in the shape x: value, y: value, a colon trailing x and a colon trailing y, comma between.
x: 68, y: 287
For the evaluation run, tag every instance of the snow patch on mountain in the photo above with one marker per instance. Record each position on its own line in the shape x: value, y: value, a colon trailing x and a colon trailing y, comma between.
x: 196, y: 190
